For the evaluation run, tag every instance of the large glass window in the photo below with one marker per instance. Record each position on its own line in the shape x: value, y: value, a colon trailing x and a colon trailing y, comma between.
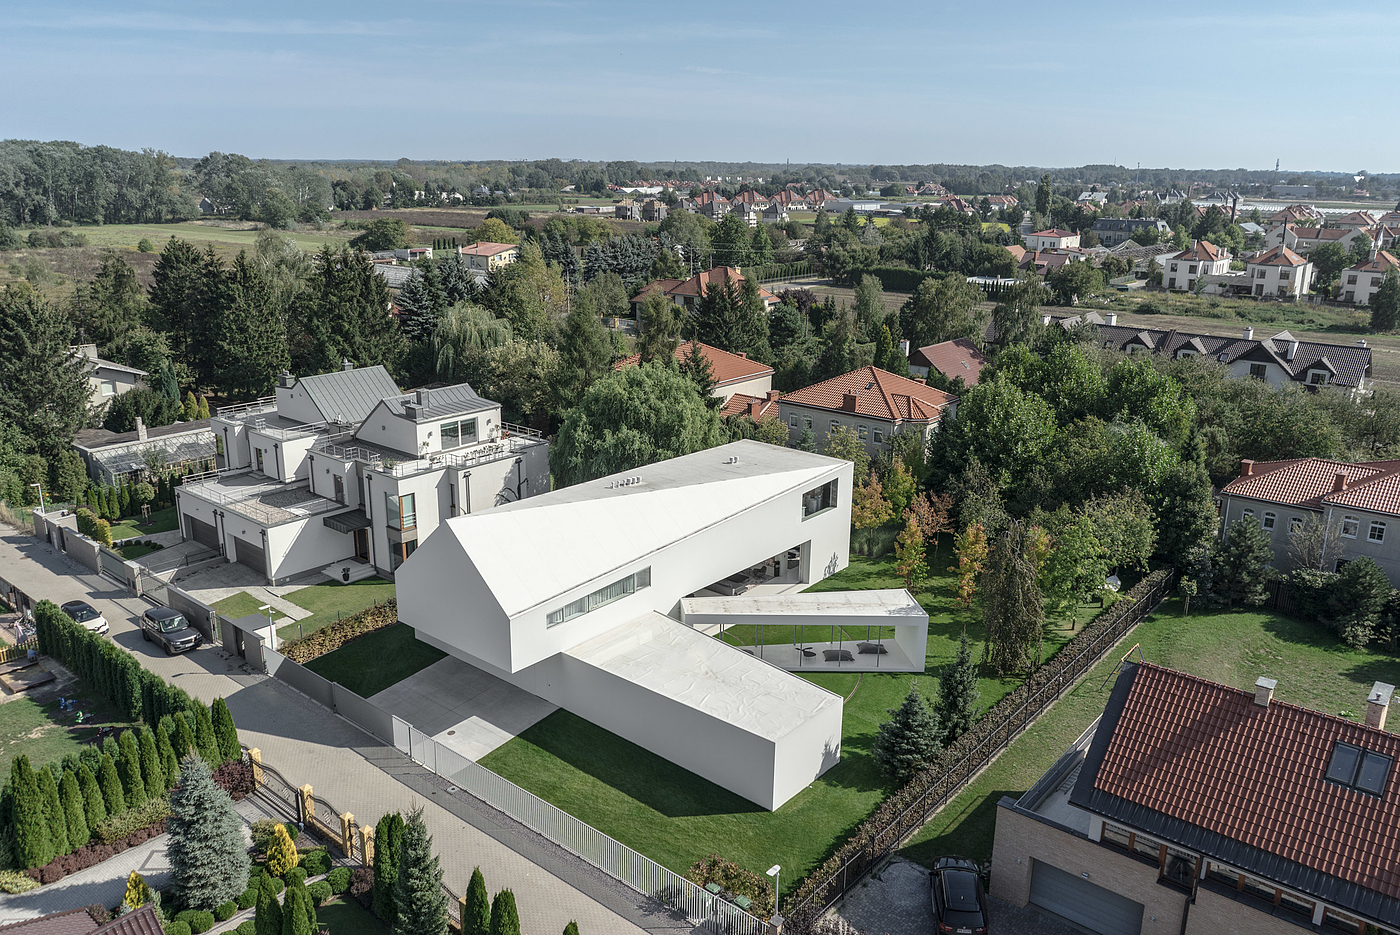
x: 457, y: 433
x: 1363, y: 770
x: 601, y: 597
x: 400, y: 512
x: 819, y: 499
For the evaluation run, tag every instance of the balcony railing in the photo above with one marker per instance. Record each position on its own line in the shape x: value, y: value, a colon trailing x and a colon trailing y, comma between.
x: 512, y: 438
x: 261, y: 404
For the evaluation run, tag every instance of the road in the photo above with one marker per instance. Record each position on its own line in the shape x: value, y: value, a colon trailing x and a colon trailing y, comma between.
x: 349, y: 768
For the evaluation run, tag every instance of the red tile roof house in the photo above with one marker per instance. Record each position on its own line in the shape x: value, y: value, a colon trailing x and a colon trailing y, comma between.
x: 735, y: 374
x: 956, y: 358
x: 1192, y: 808
x: 686, y: 292
x: 874, y: 403
x: 1363, y: 280
x: 1359, y: 503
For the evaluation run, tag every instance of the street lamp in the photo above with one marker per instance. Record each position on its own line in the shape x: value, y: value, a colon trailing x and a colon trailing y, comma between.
x: 42, y: 508
x: 773, y: 872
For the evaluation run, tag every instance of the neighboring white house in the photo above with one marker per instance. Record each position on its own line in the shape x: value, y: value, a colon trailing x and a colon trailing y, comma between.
x: 106, y: 379
x: 1203, y: 259
x: 1361, y: 281
x: 488, y: 257
x: 1279, y: 272
x: 574, y: 596
x: 1053, y: 239
x: 344, y: 473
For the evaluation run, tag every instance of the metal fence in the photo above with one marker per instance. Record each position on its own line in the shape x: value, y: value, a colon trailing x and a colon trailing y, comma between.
x: 111, y: 564
x: 617, y: 860
x: 908, y: 810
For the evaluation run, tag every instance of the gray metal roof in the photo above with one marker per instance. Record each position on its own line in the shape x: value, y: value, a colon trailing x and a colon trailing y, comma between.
x: 349, y: 395
x: 1350, y: 363
x: 458, y: 399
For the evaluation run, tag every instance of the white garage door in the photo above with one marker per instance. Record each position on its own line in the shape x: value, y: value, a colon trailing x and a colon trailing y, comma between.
x: 1084, y: 903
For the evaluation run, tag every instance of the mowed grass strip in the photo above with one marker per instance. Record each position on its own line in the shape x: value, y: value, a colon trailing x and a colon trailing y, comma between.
x: 371, y: 663
x: 331, y: 600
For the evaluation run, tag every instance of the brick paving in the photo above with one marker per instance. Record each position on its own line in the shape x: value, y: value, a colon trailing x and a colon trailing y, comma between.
x: 350, y: 769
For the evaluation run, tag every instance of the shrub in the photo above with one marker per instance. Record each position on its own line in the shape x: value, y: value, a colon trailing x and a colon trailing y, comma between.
x: 281, y: 853
x: 246, y: 927
x: 320, y: 891
x: 199, y: 920
x: 226, y: 911
x: 316, y: 862
x: 332, y: 637
x: 177, y: 928
x: 144, y: 245
x: 339, y: 880
x: 249, y: 897
x: 277, y: 886
x: 263, y: 831
x: 737, y: 880
x: 119, y: 827
x: 295, y: 875
x: 12, y: 881
x: 235, y: 778
x: 362, y: 886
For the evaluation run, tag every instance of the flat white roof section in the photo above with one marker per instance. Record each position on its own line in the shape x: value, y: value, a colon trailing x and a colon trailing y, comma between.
x: 887, y: 607
x: 676, y: 662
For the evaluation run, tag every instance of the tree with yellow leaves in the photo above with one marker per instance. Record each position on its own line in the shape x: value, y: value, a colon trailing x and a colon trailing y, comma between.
x: 869, y: 508
x: 909, y: 554
x: 971, y: 548
x: 282, y: 852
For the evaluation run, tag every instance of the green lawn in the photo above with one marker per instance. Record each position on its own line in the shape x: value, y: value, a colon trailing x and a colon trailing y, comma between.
x: 160, y: 521
x: 675, y: 817
x: 126, y: 236
x: 1313, y: 669
x: 330, y: 600
x: 46, y: 734
x: 135, y: 551
x: 373, y: 662
x: 343, y: 916
x: 244, y: 604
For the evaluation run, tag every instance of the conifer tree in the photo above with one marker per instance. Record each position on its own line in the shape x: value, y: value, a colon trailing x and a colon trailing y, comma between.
x: 94, y: 809
x: 204, y: 736
x: 191, y: 407
x: 388, y: 842
x: 33, y: 845
x: 957, y: 695
x: 169, y: 762
x: 420, y: 907
x: 183, y: 740
x: 476, y: 915
x: 250, y: 333
x: 208, y: 856
x: 268, y: 918
x: 113, y: 797
x: 203, y: 406
x: 129, y: 768
x: 505, y: 920
x: 294, y: 912
x: 138, y: 891
x: 585, y: 350
x: 1241, y: 563
x: 53, y: 812
x: 74, y: 814
x: 282, y: 852
x: 1015, y: 606
x: 571, y: 929
x: 695, y: 366
x: 225, y: 734
x: 908, y: 742
x: 151, y: 770
x: 300, y: 897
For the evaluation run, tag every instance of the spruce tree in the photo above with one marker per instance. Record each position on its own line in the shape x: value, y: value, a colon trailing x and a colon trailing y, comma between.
x: 183, y: 740
x: 1241, y: 564
x: 957, y: 695
x: 268, y: 918
x: 908, y: 742
x: 33, y: 845
x: 251, y: 335
x: 208, y: 857
x: 388, y: 842
x: 43, y: 388
x: 113, y: 797
x: 129, y: 768
x: 476, y: 914
x: 74, y: 813
x: 204, y: 736
x: 225, y: 734
x: 169, y: 762
x: 695, y: 366
x: 151, y: 770
x: 294, y: 920
x: 505, y: 920
x: 585, y: 351
x: 94, y: 809
x: 420, y: 907
x: 53, y: 812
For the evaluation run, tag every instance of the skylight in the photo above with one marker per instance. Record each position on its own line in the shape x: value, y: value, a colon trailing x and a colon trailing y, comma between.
x: 1363, y: 770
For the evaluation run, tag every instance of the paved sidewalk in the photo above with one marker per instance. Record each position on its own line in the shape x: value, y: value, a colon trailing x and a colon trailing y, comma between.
x: 347, y: 767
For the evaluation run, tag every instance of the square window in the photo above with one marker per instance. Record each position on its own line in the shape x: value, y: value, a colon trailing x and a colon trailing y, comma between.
x: 1317, y: 378
x: 1377, y: 533
x: 1375, y: 767
x: 1269, y: 519
x: 1258, y: 371
x: 1350, y: 524
x: 1342, y: 766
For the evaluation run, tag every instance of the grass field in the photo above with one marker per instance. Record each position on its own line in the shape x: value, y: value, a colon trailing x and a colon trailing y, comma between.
x: 341, y: 915
x: 46, y: 734
x: 127, y: 236
x: 160, y: 521
x: 136, y: 550
x: 376, y: 660
x: 244, y: 604
x: 1312, y: 667
x: 675, y: 817
x: 330, y: 600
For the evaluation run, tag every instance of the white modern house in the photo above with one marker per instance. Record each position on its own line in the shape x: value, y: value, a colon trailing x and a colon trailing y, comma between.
x: 343, y: 472
x: 1184, y: 269
x: 577, y: 596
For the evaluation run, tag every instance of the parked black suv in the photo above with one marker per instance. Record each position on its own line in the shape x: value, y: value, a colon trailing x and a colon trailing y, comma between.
x: 959, y: 905
x: 170, y: 629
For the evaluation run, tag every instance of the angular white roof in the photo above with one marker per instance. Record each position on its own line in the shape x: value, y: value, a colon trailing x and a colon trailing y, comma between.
x: 698, y: 671
x: 531, y: 551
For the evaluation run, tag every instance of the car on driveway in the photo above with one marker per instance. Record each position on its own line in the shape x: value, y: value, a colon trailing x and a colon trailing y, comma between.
x: 959, y: 904
x: 85, y: 615
x: 170, y: 629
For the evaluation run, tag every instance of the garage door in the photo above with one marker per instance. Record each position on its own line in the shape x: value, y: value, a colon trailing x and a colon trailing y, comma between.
x: 250, y: 555
x: 1084, y: 903
x: 203, y: 533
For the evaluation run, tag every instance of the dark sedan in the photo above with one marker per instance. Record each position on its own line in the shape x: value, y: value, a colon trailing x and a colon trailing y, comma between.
x: 959, y: 905
x: 170, y: 629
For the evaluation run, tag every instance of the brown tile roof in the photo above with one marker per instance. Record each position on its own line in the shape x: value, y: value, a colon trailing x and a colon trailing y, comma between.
x: 71, y: 922
x: 755, y: 407
x: 1054, y: 232
x: 878, y: 394
x: 1202, y: 250
x: 1358, y: 217
x: 1017, y: 251
x: 1205, y: 755
x: 486, y: 248
x: 956, y: 358
x: 143, y: 921
x: 709, y: 279
x: 1278, y: 256
x: 726, y: 367
x: 1384, y: 261
x: 1306, y: 482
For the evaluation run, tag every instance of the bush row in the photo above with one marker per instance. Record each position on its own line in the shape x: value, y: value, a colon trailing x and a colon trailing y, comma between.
x: 90, y: 855
x: 737, y: 881
x: 332, y: 637
x: 899, y: 813
x: 93, y: 526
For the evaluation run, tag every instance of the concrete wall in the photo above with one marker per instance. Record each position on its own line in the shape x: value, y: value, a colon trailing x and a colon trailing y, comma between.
x: 1022, y: 839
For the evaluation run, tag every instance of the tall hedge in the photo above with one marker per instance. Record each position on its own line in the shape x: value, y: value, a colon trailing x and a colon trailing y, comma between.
x: 225, y: 734
x: 129, y: 768
x: 33, y: 845
x: 169, y: 762
x: 204, y: 735
x: 151, y: 769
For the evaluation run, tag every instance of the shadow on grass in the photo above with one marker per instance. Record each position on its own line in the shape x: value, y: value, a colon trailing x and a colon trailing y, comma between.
x: 968, y: 832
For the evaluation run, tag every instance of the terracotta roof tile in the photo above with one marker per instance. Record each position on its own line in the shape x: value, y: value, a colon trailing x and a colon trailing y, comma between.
x: 1054, y: 232
x: 741, y: 404
x: 727, y: 368
x: 1278, y: 256
x: 69, y: 922
x: 486, y: 248
x: 1202, y: 250
x: 1310, y: 483
x: 956, y: 358
x: 1384, y: 261
x: 879, y: 395
x: 1207, y: 755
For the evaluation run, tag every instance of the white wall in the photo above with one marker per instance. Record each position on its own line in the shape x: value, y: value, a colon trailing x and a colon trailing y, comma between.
x: 295, y: 403
x: 235, y: 440
x: 758, y: 386
x: 301, y: 545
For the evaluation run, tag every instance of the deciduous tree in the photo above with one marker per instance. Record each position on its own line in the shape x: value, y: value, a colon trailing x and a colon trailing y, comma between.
x: 970, y: 546
x: 1015, y: 606
x: 909, y: 551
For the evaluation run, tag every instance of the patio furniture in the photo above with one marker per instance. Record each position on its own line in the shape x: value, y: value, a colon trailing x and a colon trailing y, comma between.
x: 838, y: 655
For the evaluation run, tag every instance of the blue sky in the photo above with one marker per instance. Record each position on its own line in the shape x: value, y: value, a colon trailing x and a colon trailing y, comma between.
x: 1312, y: 84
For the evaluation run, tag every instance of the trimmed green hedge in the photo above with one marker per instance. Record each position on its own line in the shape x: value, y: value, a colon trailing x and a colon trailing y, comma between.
x: 339, y: 879
x: 226, y: 911
x: 320, y: 891
x: 177, y: 928
x: 316, y: 862
x: 296, y: 873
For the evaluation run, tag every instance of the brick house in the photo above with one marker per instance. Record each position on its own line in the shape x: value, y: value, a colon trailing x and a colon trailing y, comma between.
x: 874, y: 403
x: 1193, y: 807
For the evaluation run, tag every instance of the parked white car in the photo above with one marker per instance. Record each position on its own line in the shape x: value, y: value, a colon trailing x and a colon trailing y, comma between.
x: 86, y: 615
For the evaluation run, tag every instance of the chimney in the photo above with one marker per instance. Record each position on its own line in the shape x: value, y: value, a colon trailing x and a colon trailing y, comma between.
x: 1248, y: 334
x: 285, y: 380
x: 1111, y: 318
x: 743, y: 354
x: 424, y: 398
x: 140, y: 429
x: 773, y: 395
x: 1360, y: 342
x: 755, y: 408
x: 1264, y: 691
x: 849, y: 400
x: 347, y: 364
x: 1378, y: 705
x: 1292, y: 350
x: 904, y: 346
x: 1339, y: 483
x: 1246, y: 467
